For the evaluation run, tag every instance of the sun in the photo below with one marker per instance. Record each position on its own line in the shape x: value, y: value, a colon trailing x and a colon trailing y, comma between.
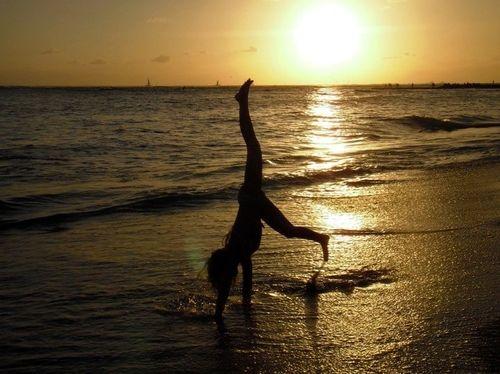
x: 327, y: 35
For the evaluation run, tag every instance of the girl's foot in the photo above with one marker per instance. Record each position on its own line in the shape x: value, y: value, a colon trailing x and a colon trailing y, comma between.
x: 242, y: 94
x: 324, y: 245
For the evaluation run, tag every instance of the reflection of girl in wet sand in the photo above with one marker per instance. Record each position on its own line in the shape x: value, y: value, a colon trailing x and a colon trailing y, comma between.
x: 244, y: 238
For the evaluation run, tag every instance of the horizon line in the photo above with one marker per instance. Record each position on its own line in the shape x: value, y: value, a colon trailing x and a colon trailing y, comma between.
x: 386, y: 84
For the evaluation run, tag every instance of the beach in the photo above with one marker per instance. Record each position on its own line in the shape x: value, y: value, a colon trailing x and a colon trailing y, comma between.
x: 109, y: 219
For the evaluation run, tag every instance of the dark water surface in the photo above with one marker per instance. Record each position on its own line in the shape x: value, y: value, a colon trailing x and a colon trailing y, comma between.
x: 112, y: 199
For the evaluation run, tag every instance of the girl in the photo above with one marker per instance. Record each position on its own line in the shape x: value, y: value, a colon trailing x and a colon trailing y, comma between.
x: 244, y: 238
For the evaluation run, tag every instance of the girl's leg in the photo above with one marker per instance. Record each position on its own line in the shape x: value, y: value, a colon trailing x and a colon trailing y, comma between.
x: 253, y: 169
x: 246, y: 265
x: 277, y: 221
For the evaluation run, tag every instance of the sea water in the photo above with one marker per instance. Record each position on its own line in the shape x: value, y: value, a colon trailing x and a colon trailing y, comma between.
x: 111, y: 200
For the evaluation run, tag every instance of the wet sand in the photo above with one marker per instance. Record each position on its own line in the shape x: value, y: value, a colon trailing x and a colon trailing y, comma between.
x: 124, y: 292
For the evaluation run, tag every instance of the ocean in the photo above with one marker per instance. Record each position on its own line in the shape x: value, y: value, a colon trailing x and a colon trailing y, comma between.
x: 111, y: 200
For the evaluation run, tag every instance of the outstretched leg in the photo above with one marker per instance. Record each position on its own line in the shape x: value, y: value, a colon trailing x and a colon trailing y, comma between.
x: 253, y: 169
x: 277, y: 220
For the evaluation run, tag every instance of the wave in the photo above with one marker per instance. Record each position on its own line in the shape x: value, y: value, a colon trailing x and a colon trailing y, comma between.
x: 7, y: 206
x: 311, y: 177
x: 160, y: 200
x: 163, y: 201
x: 432, y: 124
x: 367, y: 182
x: 156, y: 202
x: 368, y: 232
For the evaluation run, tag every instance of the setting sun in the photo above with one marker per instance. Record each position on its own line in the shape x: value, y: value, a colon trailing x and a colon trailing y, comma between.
x: 327, y: 35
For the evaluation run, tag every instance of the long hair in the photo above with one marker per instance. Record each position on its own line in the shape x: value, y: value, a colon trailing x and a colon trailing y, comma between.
x: 222, y: 267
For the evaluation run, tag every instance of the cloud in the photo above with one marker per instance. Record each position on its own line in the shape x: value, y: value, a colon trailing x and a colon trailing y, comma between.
x: 161, y: 59
x: 157, y: 20
x: 50, y: 51
x: 98, y: 61
x: 250, y: 49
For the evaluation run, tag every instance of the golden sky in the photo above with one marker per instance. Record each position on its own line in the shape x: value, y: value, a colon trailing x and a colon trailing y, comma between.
x: 197, y: 42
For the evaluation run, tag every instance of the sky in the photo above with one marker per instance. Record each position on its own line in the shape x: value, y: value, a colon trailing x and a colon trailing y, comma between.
x: 200, y: 42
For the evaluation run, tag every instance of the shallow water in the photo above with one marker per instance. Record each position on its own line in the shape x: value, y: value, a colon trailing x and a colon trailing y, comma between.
x: 113, y: 199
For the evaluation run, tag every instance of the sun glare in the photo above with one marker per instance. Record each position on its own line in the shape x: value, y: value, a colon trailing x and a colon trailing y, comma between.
x: 327, y: 35
x: 336, y: 220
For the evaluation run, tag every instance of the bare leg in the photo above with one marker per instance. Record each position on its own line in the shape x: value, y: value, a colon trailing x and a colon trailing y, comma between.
x: 253, y: 169
x: 246, y: 265
x: 277, y: 220
x: 252, y: 184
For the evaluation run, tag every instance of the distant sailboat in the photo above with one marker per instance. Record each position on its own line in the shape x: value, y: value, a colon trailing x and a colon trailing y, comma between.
x: 217, y: 84
x: 149, y: 83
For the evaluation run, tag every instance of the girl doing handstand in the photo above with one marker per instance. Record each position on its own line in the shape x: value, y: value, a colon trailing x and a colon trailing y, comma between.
x: 244, y: 238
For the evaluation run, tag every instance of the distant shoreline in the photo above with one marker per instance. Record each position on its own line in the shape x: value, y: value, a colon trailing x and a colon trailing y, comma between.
x: 442, y: 85
x: 375, y: 86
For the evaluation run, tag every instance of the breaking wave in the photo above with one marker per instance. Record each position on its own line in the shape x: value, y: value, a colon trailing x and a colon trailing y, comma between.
x: 435, y: 124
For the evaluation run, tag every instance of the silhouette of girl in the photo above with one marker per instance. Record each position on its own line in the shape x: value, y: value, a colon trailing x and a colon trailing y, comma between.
x: 244, y: 237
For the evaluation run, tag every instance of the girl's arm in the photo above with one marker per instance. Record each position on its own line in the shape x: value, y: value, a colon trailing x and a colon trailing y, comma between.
x: 222, y: 295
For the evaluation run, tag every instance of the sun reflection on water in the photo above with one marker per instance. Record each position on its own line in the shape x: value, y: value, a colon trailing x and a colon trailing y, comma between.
x: 326, y: 125
x: 331, y: 144
x: 338, y: 220
x: 321, y: 108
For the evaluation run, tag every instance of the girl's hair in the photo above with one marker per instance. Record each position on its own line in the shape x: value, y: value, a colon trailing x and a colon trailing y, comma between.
x: 222, y: 268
